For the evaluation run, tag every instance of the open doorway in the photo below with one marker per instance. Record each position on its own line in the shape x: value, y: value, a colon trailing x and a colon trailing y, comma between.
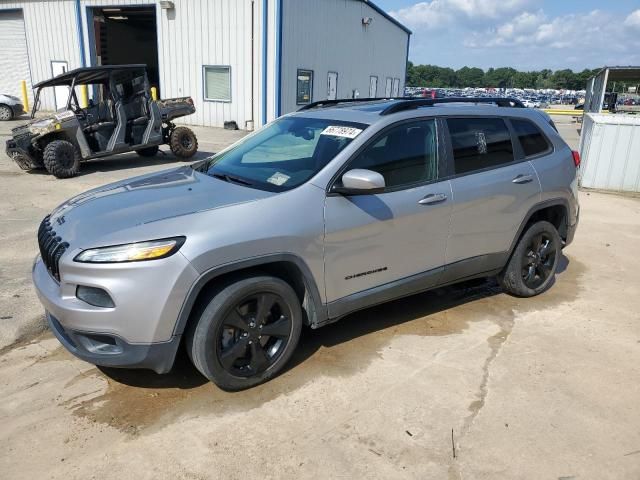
x: 126, y: 35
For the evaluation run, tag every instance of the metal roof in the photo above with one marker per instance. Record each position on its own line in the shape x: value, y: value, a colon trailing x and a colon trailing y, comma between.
x: 387, y: 16
x: 618, y: 74
x: 87, y: 75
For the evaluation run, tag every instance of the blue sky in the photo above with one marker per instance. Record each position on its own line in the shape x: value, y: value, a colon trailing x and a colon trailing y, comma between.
x: 524, y: 34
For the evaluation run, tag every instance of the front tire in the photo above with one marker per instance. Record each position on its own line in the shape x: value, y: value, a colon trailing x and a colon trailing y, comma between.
x: 246, y: 332
x: 149, y: 151
x: 61, y: 159
x: 532, y: 266
x: 183, y: 142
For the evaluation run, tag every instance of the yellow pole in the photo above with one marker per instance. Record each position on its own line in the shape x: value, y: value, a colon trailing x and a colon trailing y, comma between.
x: 25, y: 98
x: 154, y: 93
x: 84, y: 97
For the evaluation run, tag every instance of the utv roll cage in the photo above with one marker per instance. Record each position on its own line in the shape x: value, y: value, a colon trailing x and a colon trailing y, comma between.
x: 103, y: 75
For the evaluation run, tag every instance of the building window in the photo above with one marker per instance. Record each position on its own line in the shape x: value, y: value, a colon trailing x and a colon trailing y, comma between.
x: 217, y: 83
x: 305, y: 87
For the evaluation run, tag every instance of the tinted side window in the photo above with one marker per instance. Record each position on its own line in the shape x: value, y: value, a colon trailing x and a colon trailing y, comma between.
x: 479, y: 143
x: 405, y: 155
x: 531, y: 138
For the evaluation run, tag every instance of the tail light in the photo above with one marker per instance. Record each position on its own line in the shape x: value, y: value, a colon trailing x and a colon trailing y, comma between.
x: 576, y: 158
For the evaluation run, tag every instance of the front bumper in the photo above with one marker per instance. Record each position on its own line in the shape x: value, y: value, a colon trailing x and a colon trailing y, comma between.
x: 21, y: 156
x: 112, y: 351
x: 139, y: 331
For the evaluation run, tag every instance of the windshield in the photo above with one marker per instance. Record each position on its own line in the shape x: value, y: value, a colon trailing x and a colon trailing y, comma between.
x: 284, y: 154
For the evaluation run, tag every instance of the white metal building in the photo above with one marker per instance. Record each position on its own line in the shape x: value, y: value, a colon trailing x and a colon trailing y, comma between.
x: 247, y: 61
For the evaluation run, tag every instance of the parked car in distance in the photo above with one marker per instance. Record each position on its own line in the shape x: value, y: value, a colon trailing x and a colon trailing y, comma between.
x: 10, y: 107
x: 121, y: 118
x: 338, y: 207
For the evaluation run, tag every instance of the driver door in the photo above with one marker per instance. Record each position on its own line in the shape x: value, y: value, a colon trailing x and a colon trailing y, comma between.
x: 394, y: 238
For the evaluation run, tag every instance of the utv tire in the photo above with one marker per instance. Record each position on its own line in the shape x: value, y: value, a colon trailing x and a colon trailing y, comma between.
x: 5, y: 113
x: 245, y: 332
x: 183, y: 142
x: 148, y: 152
x: 532, y: 266
x: 61, y: 159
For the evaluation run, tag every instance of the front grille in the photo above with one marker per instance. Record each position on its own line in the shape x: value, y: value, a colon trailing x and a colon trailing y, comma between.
x: 51, y: 247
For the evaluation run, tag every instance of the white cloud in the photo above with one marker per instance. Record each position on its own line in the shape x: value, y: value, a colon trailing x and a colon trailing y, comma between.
x: 436, y: 14
x: 493, y: 33
x: 577, y: 31
x: 633, y: 20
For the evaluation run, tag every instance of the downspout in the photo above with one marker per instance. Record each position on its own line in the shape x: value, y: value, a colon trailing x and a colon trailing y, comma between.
x: 406, y: 63
x: 80, y: 32
x: 279, y: 58
x: 249, y: 124
x: 265, y: 40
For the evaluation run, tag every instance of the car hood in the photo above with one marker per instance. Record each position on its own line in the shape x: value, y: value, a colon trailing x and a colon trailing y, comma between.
x: 102, y: 214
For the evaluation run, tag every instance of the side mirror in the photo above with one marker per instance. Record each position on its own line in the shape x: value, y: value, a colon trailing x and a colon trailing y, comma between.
x: 360, y: 182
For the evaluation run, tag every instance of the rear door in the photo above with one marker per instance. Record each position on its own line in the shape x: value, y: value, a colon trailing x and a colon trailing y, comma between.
x: 373, y: 87
x: 372, y: 240
x: 332, y: 86
x: 494, y: 188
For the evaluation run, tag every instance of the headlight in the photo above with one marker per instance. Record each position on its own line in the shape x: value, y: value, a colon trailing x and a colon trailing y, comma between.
x: 132, y: 252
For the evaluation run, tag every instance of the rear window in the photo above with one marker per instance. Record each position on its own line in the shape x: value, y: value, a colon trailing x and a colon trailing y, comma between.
x: 479, y: 143
x: 531, y: 138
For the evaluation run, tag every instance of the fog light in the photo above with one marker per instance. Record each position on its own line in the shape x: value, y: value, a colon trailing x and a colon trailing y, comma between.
x: 94, y: 296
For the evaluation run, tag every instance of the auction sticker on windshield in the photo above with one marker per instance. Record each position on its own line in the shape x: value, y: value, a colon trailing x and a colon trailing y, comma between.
x: 346, y: 132
x: 278, y: 178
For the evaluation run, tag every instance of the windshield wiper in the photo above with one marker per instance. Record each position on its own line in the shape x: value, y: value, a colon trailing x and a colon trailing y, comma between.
x: 231, y: 179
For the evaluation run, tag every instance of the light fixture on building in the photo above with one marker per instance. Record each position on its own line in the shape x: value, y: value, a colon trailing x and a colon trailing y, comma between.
x: 366, y: 21
x: 167, y: 5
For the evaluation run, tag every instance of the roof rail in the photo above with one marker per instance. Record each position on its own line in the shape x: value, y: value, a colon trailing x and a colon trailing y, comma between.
x: 329, y: 103
x: 413, y: 103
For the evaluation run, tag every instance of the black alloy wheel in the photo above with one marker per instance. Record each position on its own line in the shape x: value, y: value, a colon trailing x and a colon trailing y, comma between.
x: 253, y: 334
x: 532, y: 267
x: 538, y: 260
x: 244, y: 331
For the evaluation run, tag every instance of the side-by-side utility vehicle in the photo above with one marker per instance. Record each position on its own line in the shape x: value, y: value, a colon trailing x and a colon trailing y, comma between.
x: 120, y: 117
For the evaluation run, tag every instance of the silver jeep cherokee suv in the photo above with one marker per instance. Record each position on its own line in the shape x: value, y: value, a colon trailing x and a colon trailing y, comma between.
x: 340, y: 206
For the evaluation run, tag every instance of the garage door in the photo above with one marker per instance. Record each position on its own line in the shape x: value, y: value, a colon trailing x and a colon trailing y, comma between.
x: 14, y: 61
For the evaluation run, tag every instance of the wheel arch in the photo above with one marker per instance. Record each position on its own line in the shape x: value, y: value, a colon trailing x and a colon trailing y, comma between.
x: 555, y: 211
x: 288, y: 267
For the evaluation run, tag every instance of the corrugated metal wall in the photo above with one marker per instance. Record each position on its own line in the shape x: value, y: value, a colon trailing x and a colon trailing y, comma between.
x: 52, y: 35
x: 347, y: 47
x: 611, y: 152
x: 195, y: 33
x: 322, y: 35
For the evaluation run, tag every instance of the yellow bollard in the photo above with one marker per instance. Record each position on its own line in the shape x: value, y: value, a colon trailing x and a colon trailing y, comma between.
x: 154, y: 93
x: 84, y: 97
x: 25, y: 98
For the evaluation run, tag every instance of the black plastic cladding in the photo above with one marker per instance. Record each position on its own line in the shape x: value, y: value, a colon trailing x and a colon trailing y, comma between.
x: 51, y: 247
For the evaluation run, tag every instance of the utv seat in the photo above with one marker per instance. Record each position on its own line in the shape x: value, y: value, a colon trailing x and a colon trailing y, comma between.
x: 105, y: 116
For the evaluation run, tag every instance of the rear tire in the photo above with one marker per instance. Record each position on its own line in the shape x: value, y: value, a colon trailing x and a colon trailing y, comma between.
x: 532, y: 266
x: 183, y: 142
x: 5, y: 113
x: 149, y: 151
x: 246, y: 332
x: 61, y: 159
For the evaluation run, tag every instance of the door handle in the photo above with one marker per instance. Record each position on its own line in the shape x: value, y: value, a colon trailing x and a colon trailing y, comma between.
x: 522, y: 179
x: 433, y: 198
